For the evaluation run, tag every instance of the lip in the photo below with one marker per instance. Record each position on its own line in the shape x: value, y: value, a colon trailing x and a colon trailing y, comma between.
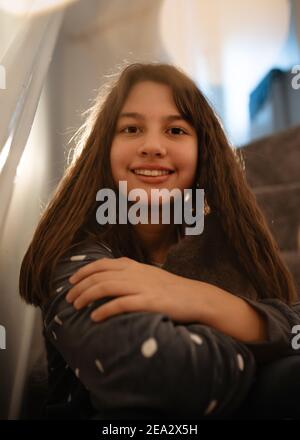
x: 152, y: 179
x: 151, y: 167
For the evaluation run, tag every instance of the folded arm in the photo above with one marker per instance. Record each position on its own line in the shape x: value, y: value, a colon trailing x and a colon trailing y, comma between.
x: 265, y: 326
x: 144, y: 359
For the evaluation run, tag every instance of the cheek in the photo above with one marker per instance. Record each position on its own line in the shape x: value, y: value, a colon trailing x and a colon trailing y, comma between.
x: 188, y: 159
x: 188, y: 166
x: 121, y: 153
x: 114, y: 153
x: 115, y: 164
x: 117, y: 159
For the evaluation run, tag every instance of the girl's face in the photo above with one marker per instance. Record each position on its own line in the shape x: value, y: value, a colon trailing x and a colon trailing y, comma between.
x: 150, y: 133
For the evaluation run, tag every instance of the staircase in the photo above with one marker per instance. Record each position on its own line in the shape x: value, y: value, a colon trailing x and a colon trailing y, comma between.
x: 272, y: 166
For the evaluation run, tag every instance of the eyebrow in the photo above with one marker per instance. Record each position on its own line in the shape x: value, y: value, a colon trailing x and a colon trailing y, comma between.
x: 176, y: 117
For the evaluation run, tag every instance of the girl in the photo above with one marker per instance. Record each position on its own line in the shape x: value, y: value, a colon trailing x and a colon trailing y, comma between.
x: 129, y: 334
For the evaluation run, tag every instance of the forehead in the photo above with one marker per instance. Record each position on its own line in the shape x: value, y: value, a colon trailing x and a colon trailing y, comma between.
x: 149, y: 94
x: 148, y: 99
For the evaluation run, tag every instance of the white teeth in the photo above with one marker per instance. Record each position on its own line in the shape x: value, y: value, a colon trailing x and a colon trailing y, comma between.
x: 152, y: 172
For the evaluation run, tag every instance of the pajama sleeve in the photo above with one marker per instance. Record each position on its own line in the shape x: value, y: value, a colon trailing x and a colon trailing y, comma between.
x: 281, y: 320
x: 145, y: 360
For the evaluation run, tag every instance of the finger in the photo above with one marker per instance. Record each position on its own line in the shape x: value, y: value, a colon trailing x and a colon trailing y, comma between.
x: 89, y: 282
x: 100, y: 265
x: 118, y: 306
x: 101, y: 290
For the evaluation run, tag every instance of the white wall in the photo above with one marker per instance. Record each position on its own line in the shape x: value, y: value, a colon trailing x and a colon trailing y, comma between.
x: 31, y: 189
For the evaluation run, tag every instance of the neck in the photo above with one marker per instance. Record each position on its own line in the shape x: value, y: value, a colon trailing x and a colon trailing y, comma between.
x: 157, y: 239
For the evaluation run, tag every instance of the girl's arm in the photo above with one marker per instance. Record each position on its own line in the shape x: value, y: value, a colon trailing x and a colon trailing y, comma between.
x: 144, y: 360
x: 230, y: 314
x: 265, y: 325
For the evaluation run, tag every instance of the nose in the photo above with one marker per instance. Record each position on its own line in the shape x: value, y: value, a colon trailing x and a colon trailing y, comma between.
x: 152, y: 147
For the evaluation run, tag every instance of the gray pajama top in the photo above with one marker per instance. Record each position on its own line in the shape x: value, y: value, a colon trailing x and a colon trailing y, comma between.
x: 143, y: 364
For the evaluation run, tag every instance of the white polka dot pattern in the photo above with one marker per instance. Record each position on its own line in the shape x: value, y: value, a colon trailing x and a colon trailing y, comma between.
x: 105, y: 355
x: 58, y: 320
x: 149, y: 347
x: 196, y: 338
x: 99, y: 365
x: 106, y: 247
x: 240, y: 361
x: 211, y: 407
x: 77, y: 257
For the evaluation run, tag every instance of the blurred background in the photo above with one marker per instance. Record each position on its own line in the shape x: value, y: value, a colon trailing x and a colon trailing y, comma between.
x: 54, y: 56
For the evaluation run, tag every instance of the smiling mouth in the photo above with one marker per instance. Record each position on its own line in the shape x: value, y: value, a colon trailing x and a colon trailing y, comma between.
x: 152, y: 173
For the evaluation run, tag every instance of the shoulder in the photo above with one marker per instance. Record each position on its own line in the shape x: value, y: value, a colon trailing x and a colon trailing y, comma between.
x: 73, y: 259
x: 80, y: 255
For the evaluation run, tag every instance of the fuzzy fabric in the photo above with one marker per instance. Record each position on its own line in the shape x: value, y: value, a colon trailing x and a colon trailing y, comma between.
x: 209, y: 257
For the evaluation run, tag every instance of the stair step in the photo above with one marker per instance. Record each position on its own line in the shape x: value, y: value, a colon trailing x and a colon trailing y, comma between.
x: 281, y: 207
x: 273, y: 159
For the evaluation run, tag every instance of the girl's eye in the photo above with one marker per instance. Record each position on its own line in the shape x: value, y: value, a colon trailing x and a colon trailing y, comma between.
x: 131, y: 129
x: 177, y: 129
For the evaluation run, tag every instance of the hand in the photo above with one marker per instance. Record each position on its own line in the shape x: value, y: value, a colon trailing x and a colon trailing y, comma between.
x: 138, y: 287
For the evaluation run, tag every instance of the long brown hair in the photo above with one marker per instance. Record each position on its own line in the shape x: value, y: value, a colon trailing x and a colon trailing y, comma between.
x: 70, y: 216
